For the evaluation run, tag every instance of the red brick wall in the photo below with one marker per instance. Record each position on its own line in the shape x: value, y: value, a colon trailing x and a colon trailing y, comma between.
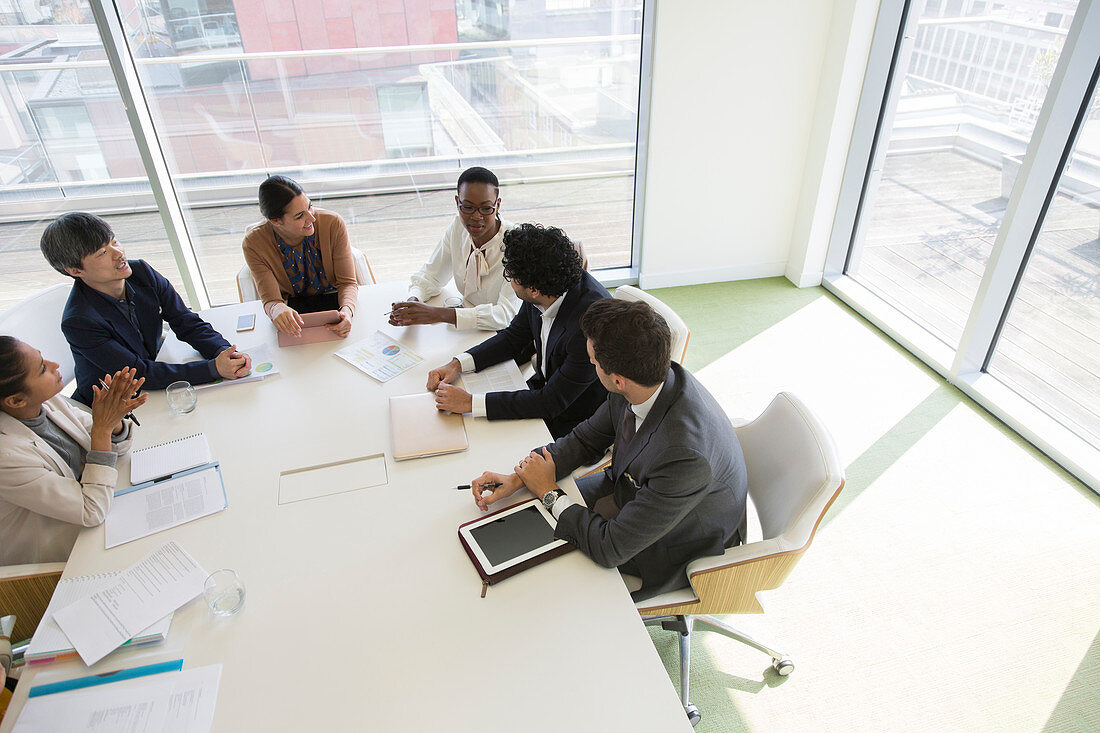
x: 292, y: 25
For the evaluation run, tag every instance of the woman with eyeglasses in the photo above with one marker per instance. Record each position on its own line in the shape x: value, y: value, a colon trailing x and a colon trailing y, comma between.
x: 57, y: 462
x: 300, y: 258
x: 470, y: 253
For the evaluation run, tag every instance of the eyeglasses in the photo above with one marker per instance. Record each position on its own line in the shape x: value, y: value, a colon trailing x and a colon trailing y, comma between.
x: 485, y: 210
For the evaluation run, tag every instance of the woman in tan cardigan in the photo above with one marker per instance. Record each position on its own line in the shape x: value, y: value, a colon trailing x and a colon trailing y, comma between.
x: 299, y: 251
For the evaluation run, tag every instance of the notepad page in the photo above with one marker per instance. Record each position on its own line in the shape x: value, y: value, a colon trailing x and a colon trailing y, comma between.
x: 165, y: 459
x: 502, y: 377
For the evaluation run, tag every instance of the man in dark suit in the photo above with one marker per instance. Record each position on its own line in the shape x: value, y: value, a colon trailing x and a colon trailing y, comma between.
x: 545, y: 270
x: 676, y: 487
x: 115, y: 313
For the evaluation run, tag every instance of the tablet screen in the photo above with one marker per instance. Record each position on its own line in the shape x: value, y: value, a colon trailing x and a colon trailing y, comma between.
x: 513, y: 535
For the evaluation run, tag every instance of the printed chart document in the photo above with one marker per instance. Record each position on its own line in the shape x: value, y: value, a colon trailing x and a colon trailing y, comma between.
x: 165, y: 504
x: 380, y: 356
x: 165, y: 459
x: 152, y: 588
x: 502, y: 377
x: 263, y: 366
x: 170, y: 702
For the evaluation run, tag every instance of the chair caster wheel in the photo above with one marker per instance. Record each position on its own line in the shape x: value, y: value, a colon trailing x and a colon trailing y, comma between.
x: 692, y: 713
x: 783, y: 666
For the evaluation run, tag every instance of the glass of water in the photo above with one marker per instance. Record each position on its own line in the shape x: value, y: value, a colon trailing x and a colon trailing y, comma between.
x: 181, y: 397
x: 224, y: 592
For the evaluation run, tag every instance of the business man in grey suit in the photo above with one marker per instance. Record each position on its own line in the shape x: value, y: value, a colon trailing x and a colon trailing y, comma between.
x: 676, y: 487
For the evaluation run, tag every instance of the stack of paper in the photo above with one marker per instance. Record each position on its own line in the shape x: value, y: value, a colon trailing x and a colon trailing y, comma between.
x: 50, y: 643
x: 137, y: 597
x: 170, y: 702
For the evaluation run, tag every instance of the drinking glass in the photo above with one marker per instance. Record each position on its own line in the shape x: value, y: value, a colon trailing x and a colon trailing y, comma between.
x: 224, y: 592
x: 181, y: 397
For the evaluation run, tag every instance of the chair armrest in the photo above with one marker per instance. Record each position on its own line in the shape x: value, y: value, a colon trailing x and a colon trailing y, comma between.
x: 34, y: 568
x: 736, y: 556
x: 596, y: 467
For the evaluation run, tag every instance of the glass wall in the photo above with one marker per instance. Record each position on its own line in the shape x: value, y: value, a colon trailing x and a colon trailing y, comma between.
x: 65, y: 144
x: 1049, y: 347
x: 965, y: 111
x: 976, y: 227
x: 375, y: 108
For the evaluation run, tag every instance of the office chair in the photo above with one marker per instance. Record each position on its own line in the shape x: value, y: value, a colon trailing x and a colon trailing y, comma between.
x: 680, y: 331
x: 794, y: 475
x: 36, y: 320
x: 25, y: 591
x: 246, y: 286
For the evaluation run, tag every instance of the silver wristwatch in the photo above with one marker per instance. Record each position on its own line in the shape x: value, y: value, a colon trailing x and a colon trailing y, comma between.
x: 550, y: 497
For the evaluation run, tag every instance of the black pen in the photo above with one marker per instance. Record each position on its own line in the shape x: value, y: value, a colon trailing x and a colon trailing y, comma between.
x: 128, y: 414
x: 490, y: 485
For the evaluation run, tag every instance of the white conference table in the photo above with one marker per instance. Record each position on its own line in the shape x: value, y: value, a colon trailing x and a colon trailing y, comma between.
x: 362, y: 610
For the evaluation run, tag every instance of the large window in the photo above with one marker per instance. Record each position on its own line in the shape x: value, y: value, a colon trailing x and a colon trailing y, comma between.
x: 968, y: 224
x: 964, y: 113
x: 1049, y: 346
x: 374, y: 108
x: 64, y: 143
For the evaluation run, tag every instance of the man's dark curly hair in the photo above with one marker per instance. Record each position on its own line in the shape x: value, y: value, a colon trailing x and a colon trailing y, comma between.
x: 629, y: 339
x: 541, y: 258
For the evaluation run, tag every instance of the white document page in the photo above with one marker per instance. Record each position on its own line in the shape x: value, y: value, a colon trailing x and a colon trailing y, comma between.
x: 168, y: 458
x: 171, y: 702
x: 263, y: 366
x: 379, y: 356
x: 154, y: 587
x: 49, y: 640
x: 502, y: 377
x: 163, y: 505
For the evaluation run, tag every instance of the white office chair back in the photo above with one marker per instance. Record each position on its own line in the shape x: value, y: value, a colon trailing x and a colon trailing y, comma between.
x: 680, y: 330
x: 793, y: 469
x: 36, y: 320
x: 246, y: 286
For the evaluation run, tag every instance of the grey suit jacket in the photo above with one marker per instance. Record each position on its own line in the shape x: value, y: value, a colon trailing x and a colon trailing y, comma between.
x: 680, y: 485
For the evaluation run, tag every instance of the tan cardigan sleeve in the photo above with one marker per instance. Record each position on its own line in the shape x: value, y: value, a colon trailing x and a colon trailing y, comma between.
x: 343, y: 264
x: 260, y: 256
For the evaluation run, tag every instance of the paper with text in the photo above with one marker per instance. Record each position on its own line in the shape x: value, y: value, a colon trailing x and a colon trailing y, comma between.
x: 163, y: 505
x: 152, y: 588
x: 171, y: 702
x: 502, y: 377
x: 380, y: 356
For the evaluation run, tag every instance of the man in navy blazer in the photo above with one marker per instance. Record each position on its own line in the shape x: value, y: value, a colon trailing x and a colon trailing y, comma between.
x: 677, y: 484
x: 546, y: 273
x: 115, y: 313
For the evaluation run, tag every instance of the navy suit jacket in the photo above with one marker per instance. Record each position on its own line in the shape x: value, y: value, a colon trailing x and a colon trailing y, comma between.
x: 565, y: 389
x: 103, y: 340
x: 680, y: 484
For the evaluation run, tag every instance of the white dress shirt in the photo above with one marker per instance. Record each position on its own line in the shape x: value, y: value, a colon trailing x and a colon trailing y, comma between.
x: 548, y: 315
x: 641, y: 411
x: 492, y: 306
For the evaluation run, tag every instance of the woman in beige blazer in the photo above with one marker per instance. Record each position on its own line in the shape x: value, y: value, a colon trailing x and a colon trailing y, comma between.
x: 299, y: 250
x: 57, y: 462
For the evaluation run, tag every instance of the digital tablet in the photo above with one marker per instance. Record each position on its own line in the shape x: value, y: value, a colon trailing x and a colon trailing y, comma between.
x: 512, y: 536
x: 313, y: 329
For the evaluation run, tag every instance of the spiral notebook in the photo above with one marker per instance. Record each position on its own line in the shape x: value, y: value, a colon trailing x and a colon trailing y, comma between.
x: 159, y: 461
x: 49, y: 641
